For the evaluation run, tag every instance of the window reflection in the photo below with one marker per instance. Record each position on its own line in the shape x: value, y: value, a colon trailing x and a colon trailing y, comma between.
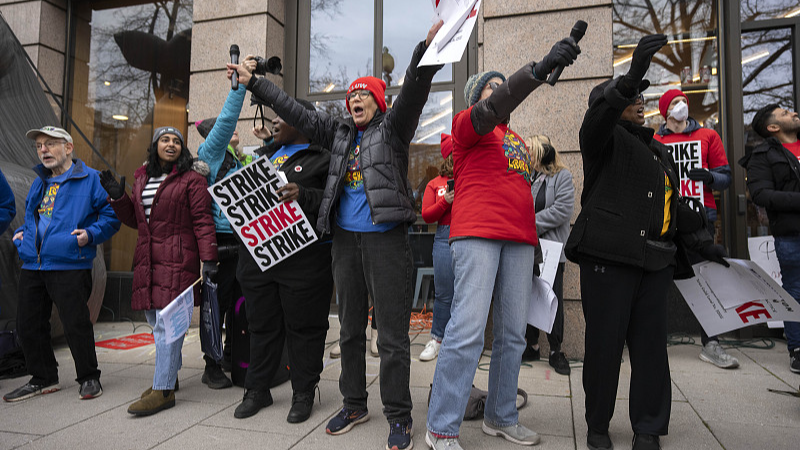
x: 402, y: 31
x: 689, y: 62
x: 766, y: 70
x: 131, y: 74
x: 768, y: 9
x: 341, y: 40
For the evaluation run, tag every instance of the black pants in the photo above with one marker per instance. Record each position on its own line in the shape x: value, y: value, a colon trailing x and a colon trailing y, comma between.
x: 287, y: 303
x: 556, y: 335
x: 228, y: 291
x: 376, y: 265
x: 624, y: 304
x: 70, y: 291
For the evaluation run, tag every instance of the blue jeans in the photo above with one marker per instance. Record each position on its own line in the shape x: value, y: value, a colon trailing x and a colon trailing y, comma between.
x: 787, y: 249
x: 483, y: 268
x: 168, y: 356
x: 442, y: 281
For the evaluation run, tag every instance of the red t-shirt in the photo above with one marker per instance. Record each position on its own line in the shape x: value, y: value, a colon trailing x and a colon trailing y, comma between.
x: 712, y: 154
x: 493, y: 176
x: 794, y: 147
x: 434, y: 207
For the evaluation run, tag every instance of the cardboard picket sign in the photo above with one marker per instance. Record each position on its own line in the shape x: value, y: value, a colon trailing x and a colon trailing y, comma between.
x: 757, y: 297
x: 270, y: 229
x: 688, y: 155
x: 762, y: 252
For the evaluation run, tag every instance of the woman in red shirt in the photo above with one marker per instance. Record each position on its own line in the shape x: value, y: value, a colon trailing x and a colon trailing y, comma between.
x: 436, y: 205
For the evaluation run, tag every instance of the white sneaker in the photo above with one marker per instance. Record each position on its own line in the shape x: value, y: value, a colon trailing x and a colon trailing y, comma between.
x: 431, y: 350
x: 713, y: 353
x: 373, y: 344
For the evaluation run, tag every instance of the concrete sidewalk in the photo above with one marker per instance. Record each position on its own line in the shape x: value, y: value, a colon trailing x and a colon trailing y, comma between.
x: 711, y: 409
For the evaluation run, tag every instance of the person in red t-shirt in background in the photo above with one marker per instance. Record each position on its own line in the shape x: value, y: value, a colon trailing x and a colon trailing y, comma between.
x: 715, y: 174
x: 436, y: 204
x: 773, y: 179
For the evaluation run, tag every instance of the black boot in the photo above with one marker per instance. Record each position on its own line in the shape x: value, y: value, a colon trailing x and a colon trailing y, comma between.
x: 301, y: 407
x: 646, y: 442
x: 252, y: 403
x: 598, y: 441
x: 215, y: 378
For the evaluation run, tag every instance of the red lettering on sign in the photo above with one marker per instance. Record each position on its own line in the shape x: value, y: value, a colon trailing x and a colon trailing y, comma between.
x: 752, y: 309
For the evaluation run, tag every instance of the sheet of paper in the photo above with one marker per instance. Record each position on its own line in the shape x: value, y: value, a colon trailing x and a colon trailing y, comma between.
x: 551, y: 251
x: 543, y: 306
x: 178, y: 315
x: 448, y: 45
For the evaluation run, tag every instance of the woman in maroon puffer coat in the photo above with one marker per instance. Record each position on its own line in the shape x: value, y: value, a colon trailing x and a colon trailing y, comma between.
x: 171, y: 209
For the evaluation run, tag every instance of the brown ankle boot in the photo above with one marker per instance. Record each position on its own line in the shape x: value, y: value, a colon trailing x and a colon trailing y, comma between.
x: 152, y: 403
x: 150, y: 389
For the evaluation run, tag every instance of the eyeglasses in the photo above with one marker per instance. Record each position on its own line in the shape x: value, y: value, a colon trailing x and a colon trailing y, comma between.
x: 50, y: 144
x: 493, y: 85
x: 362, y: 94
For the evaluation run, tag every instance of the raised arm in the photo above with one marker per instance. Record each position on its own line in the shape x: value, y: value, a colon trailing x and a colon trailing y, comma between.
x: 490, y: 112
x: 216, y: 144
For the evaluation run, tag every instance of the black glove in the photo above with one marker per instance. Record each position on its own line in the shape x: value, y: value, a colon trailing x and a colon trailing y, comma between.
x: 210, y: 270
x: 700, y: 174
x: 647, y: 47
x: 714, y: 253
x: 114, y: 189
x: 563, y: 53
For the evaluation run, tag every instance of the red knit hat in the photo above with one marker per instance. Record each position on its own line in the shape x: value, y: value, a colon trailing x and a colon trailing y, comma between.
x: 666, y: 99
x: 375, y: 85
x: 447, y: 145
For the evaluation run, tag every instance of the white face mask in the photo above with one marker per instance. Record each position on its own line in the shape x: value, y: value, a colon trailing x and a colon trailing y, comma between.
x: 680, y: 112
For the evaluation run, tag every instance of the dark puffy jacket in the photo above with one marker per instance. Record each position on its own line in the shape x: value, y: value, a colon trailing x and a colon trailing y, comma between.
x: 773, y: 178
x: 384, y: 144
x: 179, y: 235
x: 623, y: 195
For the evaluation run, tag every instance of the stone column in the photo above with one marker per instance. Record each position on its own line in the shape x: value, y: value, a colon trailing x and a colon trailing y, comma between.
x: 256, y: 26
x: 514, y: 32
x: 41, y: 27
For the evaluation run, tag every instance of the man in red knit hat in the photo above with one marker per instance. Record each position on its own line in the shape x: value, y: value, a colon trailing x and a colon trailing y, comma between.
x: 686, y: 137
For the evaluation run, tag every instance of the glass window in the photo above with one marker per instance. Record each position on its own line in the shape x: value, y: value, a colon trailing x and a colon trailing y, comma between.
x: 120, y: 92
x: 425, y: 155
x: 402, y: 31
x: 341, y: 42
x: 766, y: 78
x: 768, y: 9
x: 689, y: 62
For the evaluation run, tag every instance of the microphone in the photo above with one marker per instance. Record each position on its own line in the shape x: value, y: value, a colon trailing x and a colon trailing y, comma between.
x: 235, y: 60
x: 576, y: 34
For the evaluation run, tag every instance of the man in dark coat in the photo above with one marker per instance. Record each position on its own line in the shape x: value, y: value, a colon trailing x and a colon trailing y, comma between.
x: 773, y: 178
x: 626, y: 240
x: 368, y: 207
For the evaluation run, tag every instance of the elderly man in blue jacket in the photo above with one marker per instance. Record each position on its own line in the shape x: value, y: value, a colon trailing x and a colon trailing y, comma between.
x: 66, y: 218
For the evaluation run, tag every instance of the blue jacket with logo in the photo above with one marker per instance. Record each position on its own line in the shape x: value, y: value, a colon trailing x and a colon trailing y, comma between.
x: 80, y: 204
x: 213, y: 150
